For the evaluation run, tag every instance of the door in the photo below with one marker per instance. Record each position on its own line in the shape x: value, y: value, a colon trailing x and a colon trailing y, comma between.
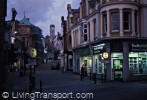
x: 118, y: 70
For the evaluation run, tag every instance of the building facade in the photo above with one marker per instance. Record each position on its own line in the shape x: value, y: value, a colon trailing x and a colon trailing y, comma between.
x: 31, y: 38
x: 37, y: 38
x: 116, y: 27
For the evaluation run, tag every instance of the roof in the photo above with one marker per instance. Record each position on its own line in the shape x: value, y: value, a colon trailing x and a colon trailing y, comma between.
x: 25, y: 21
x: 75, y: 10
x: 93, y: 2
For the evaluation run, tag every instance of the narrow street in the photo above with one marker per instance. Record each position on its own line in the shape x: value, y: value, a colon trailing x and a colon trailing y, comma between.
x: 54, y: 81
x: 63, y: 84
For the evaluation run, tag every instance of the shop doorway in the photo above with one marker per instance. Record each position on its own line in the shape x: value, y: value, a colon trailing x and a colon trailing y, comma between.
x: 118, y: 70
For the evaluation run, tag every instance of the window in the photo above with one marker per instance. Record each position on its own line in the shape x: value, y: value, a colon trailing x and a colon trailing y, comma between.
x: 85, y: 25
x: 136, y: 21
x: 105, y: 23
x: 85, y: 31
x: 70, y: 40
x: 94, y: 28
x: 81, y: 37
x: 126, y: 17
x: 89, y: 30
x: 115, y: 21
x: 138, y: 63
x: 85, y: 37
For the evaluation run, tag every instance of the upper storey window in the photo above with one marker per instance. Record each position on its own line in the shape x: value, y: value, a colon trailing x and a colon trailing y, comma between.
x: 115, y: 21
x: 105, y: 23
x: 85, y: 32
x: 126, y: 18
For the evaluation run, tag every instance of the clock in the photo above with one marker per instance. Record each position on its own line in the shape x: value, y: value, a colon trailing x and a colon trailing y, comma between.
x: 105, y: 55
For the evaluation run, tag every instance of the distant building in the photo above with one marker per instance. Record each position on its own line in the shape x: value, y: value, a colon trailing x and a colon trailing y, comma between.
x: 52, y: 30
x: 32, y: 38
x: 52, y: 34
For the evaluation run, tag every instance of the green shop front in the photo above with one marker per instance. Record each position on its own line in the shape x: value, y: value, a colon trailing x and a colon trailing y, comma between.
x: 82, y: 56
x: 127, y: 59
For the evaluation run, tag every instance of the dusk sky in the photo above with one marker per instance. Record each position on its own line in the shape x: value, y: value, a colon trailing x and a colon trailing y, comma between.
x: 42, y: 13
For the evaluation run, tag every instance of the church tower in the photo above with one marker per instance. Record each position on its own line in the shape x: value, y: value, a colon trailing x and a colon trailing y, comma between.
x: 52, y: 30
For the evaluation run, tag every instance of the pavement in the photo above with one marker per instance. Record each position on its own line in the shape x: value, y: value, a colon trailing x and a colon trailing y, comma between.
x: 54, y: 81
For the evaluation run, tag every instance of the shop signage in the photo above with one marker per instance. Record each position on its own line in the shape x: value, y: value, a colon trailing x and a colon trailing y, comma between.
x: 83, y: 51
x: 98, y: 48
x: 137, y: 47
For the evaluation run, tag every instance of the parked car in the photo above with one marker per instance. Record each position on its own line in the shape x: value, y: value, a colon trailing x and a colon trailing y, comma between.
x: 55, y: 64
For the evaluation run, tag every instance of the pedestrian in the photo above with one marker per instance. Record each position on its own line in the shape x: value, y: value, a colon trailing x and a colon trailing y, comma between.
x: 46, y: 60
x: 82, y: 72
x: 63, y: 68
x: 15, y: 66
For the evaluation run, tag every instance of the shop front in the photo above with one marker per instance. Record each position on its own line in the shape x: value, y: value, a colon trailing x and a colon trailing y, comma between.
x: 127, y: 59
x: 82, y: 56
x: 98, y: 60
x: 138, y: 60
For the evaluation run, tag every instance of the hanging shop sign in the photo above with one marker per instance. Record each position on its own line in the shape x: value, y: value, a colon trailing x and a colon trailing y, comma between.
x: 137, y: 47
x: 98, y: 48
x: 83, y: 51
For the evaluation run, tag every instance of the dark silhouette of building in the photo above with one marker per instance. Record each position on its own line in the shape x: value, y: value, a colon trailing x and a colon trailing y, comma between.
x: 3, y: 67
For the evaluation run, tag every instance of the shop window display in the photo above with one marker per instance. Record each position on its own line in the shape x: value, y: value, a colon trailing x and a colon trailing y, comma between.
x: 138, y: 63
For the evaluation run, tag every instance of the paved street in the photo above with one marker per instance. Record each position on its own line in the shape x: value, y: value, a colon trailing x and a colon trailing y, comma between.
x: 54, y: 81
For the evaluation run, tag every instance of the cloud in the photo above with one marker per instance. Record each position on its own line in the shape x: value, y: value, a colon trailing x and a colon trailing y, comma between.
x: 41, y: 13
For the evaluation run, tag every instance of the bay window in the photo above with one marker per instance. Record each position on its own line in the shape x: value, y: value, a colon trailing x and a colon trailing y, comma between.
x: 115, y: 21
x: 104, y: 23
x: 126, y: 19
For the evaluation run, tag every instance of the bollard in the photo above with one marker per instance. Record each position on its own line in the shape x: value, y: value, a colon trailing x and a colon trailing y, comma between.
x: 30, y: 86
x: 40, y: 86
x: 30, y: 76
x: 90, y: 75
x: 34, y: 69
x: 21, y: 74
x: 102, y: 79
x: 94, y: 78
x: 33, y: 81
x: 81, y: 77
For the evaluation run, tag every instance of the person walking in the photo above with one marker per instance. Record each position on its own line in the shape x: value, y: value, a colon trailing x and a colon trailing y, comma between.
x: 63, y: 68
x: 82, y: 72
x: 85, y: 71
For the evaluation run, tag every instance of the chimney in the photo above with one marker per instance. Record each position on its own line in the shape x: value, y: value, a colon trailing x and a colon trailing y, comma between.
x: 69, y: 8
x: 62, y: 18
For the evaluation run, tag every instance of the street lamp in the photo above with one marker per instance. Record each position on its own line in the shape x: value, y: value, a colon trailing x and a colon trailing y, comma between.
x: 14, y: 13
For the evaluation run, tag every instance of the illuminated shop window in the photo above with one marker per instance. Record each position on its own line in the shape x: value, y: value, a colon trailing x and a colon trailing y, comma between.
x: 138, y: 63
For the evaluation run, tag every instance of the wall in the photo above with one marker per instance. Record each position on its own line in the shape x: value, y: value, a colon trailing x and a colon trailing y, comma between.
x: 144, y: 22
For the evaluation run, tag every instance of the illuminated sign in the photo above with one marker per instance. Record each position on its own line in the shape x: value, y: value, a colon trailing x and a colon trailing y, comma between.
x: 98, y: 48
x: 33, y: 52
x: 136, y: 47
x: 105, y: 55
